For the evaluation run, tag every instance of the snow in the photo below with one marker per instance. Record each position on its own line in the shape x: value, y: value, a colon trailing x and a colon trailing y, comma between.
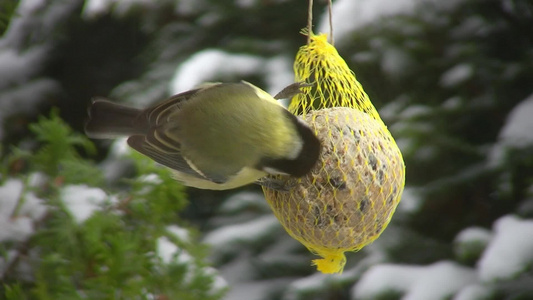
x: 415, y: 111
x: 452, y: 104
x: 279, y: 73
x: 470, y: 243
x: 351, y: 15
x: 245, y: 3
x: 242, y: 201
x: 33, y: 207
x: 181, y: 233
x: 314, y: 282
x: 119, y: 148
x: 24, y: 52
x: 473, y: 292
x: 517, y: 130
x: 35, y: 23
x: 510, y: 251
x: 151, y: 178
x: 18, y: 211
x: 18, y: 68
x: 170, y: 253
x: 82, y: 201
x: 23, y: 99
x: 244, y: 232
x: 94, y: 8
x: 212, y: 63
x: 434, y: 282
x: 456, y: 75
x: 411, y: 200
x: 516, y: 133
x: 219, y: 283
x: 474, y: 234
x: 255, y: 290
x: 317, y: 282
x: 187, y: 7
x: 206, y: 65
x: 395, y: 61
x: 37, y: 179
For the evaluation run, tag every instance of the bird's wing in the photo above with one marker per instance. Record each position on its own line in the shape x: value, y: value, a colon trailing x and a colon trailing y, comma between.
x: 171, y: 159
x: 161, y: 111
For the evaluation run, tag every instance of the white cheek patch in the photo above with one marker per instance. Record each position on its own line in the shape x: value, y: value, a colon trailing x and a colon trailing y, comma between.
x: 298, y: 145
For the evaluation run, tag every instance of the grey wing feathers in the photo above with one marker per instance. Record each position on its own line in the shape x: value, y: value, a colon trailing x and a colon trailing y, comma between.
x: 172, y: 160
x: 155, y: 144
x: 159, y: 112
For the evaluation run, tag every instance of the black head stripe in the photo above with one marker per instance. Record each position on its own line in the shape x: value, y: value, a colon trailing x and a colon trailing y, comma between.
x: 305, y: 160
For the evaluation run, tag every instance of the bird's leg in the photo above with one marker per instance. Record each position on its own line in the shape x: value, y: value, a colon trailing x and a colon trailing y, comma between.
x: 279, y: 185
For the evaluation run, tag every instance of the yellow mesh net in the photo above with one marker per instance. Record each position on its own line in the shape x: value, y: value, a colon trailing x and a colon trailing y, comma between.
x: 348, y: 199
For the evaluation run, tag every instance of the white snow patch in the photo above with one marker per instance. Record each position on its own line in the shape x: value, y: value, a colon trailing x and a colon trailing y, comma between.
x: 510, y: 251
x: 433, y: 282
x: 414, y: 111
x: 219, y: 283
x: 351, y: 15
x: 212, y: 63
x: 94, y: 8
x: 516, y: 133
x: 182, y: 234
x: 18, y: 68
x: 242, y: 201
x: 517, y: 130
x: 170, y: 253
x: 10, y: 194
x: 453, y: 103
x: 471, y: 242
x: 37, y: 179
x: 245, y: 3
x: 473, y: 292
x: 119, y: 148
x: 245, y: 232
x: 30, y: 6
x: 82, y: 201
x: 314, y: 282
x: 33, y: 207
x: 187, y: 7
x: 410, y: 201
x: 255, y: 290
x: 474, y: 234
x: 279, y: 73
x: 395, y: 62
x: 19, y: 226
x: 17, y: 229
x: 457, y: 75
x: 151, y: 178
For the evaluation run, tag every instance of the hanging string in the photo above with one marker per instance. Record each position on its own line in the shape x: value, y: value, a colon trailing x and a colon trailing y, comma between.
x: 309, y: 21
x: 330, y: 14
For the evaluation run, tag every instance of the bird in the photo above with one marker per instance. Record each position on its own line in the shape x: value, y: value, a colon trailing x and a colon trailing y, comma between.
x: 217, y: 136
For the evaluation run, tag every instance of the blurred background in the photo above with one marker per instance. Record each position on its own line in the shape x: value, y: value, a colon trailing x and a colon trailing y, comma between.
x: 453, y: 80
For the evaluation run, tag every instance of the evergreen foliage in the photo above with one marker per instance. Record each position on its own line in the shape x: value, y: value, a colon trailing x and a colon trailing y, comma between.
x: 116, y: 252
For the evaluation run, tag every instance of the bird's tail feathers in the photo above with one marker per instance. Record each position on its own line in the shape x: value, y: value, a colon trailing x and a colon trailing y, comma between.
x: 111, y: 120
